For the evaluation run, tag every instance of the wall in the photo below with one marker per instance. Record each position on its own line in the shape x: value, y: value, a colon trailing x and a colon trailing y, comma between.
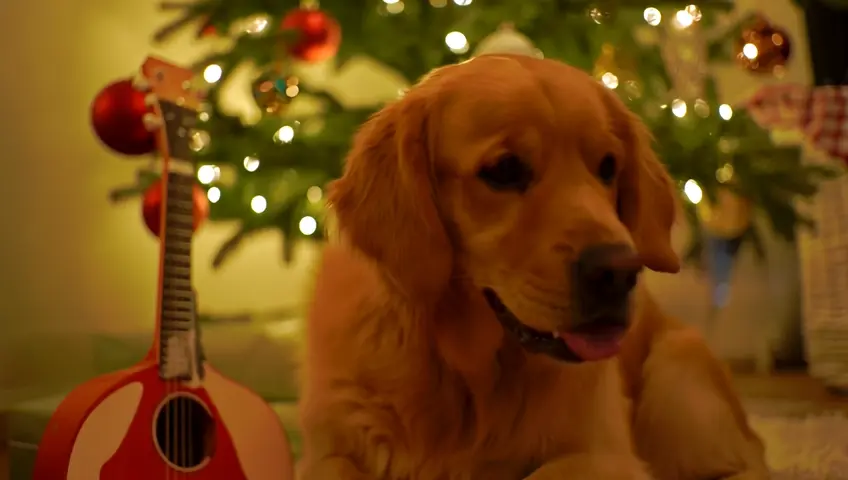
x: 71, y: 262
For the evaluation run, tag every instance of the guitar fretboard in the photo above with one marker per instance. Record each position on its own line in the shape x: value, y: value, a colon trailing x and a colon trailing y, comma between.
x: 177, y: 317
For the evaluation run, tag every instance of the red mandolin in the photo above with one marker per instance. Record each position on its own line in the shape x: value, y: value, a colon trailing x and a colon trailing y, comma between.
x: 172, y: 416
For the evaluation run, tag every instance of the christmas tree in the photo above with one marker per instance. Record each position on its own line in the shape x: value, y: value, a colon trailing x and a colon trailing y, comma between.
x: 653, y: 54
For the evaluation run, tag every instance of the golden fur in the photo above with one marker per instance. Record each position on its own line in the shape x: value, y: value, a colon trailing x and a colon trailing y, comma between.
x: 409, y: 376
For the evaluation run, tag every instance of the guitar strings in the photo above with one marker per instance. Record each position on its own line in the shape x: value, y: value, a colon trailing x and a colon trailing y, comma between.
x: 190, y: 404
x: 162, y: 347
x: 179, y: 431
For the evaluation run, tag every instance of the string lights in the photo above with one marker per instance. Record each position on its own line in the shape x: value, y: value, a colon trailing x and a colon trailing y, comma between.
x: 684, y: 55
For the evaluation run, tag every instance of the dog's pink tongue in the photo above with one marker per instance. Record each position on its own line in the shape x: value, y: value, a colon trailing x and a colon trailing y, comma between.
x: 592, y: 348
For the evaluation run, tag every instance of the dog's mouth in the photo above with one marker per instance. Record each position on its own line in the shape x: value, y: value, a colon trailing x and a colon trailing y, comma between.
x: 592, y: 342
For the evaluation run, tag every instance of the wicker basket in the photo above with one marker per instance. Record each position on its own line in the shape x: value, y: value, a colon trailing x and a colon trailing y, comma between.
x: 824, y: 267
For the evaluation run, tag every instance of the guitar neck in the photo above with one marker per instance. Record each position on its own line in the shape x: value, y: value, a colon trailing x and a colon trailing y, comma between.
x: 175, y: 104
x: 177, y: 295
x: 179, y: 349
x: 177, y: 326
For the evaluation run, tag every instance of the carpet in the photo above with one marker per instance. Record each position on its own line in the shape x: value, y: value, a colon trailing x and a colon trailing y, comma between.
x: 813, y: 447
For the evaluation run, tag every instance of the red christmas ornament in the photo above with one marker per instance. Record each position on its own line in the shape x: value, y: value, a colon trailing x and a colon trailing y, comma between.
x: 320, y: 34
x: 151, y: 207
x: 208, y: 31
x: 763, y: 48
x: 117, y: 115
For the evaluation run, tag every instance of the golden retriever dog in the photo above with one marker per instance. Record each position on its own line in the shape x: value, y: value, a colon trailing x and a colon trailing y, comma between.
x: 480, y: 316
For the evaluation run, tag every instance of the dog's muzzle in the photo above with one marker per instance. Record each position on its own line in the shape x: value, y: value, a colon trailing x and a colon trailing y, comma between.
x: 602, y: 279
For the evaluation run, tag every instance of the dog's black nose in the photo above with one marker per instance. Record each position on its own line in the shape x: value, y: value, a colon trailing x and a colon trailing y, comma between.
x: 604, y: 275
x: 609, y: 269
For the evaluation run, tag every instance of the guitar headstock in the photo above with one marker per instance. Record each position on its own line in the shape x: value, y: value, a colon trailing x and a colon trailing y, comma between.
x: 175, y: 101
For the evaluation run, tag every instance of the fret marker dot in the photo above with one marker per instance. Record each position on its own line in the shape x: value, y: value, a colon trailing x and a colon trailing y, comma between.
x: 214, y: 194
x: 258, y: 204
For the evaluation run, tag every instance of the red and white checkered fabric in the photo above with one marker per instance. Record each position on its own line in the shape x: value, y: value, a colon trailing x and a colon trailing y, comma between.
x: 821, y: 113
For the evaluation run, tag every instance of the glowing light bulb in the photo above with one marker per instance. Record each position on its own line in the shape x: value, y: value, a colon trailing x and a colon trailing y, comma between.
x: 258, y: 204
x: 462, y: 3
x: 683, y: 19
x: 652, y: 16
x: 307, y: 225
x: 256, y: 25
x: 390, y: 2
x: 314, y: 194
x: 208, y: 174
x: 213, y: 194
x: 725, y: 173
x: 725, y: 112
x: 750, y: 51
x: 693, y: 191
x: 678, y: 108
x: 251, y: 164
x: 695, y: 12
x: 456, y: 42
x: 701, y: 108
x: 285, y: 134
x: 610, y: 80
x: 395, y: 7
x: 213, y: 73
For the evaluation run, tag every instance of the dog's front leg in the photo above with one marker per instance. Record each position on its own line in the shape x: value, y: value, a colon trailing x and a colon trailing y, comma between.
x: 689, y: 423
x: 592, y: 466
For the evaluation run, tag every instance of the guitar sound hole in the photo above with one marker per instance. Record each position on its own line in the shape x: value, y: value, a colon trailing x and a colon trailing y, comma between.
x: 185, y: 432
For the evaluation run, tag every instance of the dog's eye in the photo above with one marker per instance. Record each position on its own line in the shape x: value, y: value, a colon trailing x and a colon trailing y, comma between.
x: 607, y: 169
x: 509, y: 173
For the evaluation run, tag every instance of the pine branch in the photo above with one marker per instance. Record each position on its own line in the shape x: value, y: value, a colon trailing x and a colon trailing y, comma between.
x: 231, y: 245
x: 123, y: 194
x: 412, y: 43
x: 174, y: 26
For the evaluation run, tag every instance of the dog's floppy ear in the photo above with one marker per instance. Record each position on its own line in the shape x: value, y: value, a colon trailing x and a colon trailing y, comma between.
x: 384, y: 201
x: 647, y: 198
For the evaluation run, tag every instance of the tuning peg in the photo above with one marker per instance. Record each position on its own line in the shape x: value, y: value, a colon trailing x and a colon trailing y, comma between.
x: 152, y: 122
x: 151, y: 99
x: 141, y: 83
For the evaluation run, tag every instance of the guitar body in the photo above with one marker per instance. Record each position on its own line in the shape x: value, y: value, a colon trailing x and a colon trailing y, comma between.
x: 171, y: 416
x: 105, y: 429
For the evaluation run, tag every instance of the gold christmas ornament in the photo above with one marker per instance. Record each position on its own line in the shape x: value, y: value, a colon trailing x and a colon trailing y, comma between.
x: 507, y: 40
x: 274, y: 93
x: 729, y: 217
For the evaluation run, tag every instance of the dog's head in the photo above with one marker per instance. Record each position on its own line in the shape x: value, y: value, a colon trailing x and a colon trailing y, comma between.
x: 523, y: 178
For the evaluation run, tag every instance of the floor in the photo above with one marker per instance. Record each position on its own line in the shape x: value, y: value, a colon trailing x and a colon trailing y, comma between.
x: 803, y: 426
x: 780, y: 395
x: 788, y: 394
